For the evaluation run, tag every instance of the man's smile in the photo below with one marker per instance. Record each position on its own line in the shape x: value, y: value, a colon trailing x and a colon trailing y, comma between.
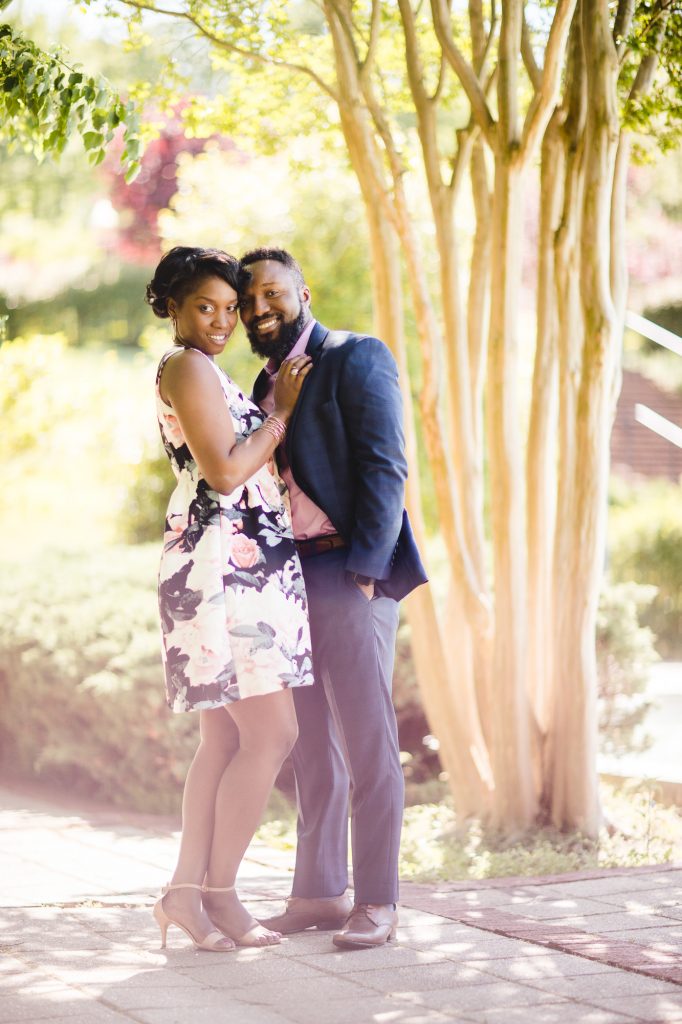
x: 267, y: 324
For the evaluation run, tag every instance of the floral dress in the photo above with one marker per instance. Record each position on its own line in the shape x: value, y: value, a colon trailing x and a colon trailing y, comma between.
x: 233, y: 605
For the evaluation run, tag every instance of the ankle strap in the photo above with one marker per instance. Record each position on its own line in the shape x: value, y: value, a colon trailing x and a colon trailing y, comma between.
x: 213, y: 888
x: 180, y: 885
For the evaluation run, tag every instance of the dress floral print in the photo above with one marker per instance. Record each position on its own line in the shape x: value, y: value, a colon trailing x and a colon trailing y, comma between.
x: 233, y: 605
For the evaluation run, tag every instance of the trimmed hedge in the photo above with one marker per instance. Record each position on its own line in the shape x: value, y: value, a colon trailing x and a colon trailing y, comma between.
x: 81, y: 682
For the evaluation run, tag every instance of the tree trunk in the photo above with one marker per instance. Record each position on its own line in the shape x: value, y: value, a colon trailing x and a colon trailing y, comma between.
x: 541, y: 455
x: 575, y: 800
x: 514, y: 804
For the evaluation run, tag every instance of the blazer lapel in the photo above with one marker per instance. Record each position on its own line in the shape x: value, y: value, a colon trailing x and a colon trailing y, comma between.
x: 314, y: 350
x: 260, y: 386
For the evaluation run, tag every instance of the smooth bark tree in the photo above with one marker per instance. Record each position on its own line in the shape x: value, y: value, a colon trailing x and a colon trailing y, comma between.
x: 474, y: 101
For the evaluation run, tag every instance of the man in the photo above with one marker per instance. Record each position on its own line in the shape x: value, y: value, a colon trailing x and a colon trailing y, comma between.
x: 344, y: 463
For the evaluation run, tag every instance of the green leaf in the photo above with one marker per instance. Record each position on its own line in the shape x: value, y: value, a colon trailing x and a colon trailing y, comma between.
x: 132, y: 172
x: 92, y: 139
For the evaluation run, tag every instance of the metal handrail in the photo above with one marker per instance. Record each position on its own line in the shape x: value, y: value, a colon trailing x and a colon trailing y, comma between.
x: 648, y: 329
x: 660, y: 425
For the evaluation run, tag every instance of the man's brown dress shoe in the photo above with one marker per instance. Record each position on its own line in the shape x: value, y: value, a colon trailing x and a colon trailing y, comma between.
x: 302, y: 913
x: 368, y: 925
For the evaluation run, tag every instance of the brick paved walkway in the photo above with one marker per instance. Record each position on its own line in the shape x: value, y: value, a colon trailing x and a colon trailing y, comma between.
x: 78, y: 942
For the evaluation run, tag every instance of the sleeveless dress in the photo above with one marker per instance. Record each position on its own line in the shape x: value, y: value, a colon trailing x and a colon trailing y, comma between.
x: 233, y: 605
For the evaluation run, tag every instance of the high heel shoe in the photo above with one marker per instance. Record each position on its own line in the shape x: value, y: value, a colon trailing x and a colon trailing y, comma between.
x: 255, y: 932
x: 163, y: 919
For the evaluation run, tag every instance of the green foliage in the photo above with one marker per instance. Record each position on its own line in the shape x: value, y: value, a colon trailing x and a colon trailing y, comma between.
x: 81, y: 687
x: 81, y: 680
x: 74, y: 423
x: 149, y: 487
x: 101, y: 312
x: 435, y: 846
x: 654, y: 109
x: 317, y: 216
x: 26, y: 368
x: 625, y: 654
x: 81, y: 683
x: 645, y: 545
x: 272, y: 67
x: 43, y: 100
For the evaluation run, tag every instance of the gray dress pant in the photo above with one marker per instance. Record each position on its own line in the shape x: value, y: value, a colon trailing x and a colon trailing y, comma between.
x: 347, y: 738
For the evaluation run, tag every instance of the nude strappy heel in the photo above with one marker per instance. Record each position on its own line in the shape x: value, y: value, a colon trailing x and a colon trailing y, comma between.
x: 250, y: 937
x: 163, y: 919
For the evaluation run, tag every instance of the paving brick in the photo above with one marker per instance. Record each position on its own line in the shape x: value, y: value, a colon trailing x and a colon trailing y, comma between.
x: 14, y: 1009
x: 620, y: 883
x: 127, y: 998
x: 602, y: 923
x: 671, y: 937
x: 474, y: 945
x: 229, y: 1012
x: 473, y: 952
x: 561, y: 907
x: 360, y: 1008
x: 653, y: 899
x: 9, y: 963
x: 410, y: 918
x: 671, y: 973
x: 618, y: 984
x: 485, y: 997
x: 559, y: 1013
x: 549, y: 965
x: 246, y: 967
x: 424, y: 978
x: 310, y: 991
x: 359, y: 960
x: 662, y: 1007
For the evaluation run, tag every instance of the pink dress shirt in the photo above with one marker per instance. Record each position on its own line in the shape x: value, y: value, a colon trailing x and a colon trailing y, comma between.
x: 307, y: 518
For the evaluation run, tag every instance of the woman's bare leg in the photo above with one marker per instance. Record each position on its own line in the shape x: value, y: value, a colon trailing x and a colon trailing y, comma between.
x: 219, y: 742
x: 267, y: 732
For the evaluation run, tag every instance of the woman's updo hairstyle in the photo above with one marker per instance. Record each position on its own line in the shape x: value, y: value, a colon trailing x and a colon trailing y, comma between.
x: 180, y: 271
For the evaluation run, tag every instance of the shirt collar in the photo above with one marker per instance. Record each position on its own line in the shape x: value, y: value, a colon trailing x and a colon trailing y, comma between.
x: 298, y: 349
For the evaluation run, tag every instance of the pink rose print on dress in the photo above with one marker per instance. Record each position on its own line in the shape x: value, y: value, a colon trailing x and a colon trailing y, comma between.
x: 244, y: 551
x: 173, y: 431
x: 231, y: 593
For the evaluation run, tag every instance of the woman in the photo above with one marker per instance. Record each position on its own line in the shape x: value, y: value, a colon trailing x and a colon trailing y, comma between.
x: 231, y: 595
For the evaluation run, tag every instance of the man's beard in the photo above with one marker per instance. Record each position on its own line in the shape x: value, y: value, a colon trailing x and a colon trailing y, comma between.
x: 279, y: 348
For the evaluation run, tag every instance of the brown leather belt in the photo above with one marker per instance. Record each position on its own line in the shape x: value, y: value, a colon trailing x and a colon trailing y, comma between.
x: 318, y: 545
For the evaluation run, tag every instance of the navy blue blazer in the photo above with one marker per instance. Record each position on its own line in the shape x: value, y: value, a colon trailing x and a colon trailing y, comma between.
x: 346, y: 450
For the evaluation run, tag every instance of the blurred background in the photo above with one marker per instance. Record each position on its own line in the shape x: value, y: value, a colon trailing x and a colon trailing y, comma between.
x: 85, y: 481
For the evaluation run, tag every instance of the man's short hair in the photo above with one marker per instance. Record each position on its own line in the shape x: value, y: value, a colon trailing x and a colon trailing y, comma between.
x: 279, y: 255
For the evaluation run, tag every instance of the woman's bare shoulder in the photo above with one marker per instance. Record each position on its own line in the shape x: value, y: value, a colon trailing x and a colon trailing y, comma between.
x: 189, y: 369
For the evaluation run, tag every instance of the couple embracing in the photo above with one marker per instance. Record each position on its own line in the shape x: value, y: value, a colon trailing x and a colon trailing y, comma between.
x: 286, y: 551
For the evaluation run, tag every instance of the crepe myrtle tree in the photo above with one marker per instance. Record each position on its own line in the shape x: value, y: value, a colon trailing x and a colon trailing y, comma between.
x: 473, y: 98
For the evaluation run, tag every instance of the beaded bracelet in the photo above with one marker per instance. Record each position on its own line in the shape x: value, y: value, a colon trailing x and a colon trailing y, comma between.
x: 276, y: 427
